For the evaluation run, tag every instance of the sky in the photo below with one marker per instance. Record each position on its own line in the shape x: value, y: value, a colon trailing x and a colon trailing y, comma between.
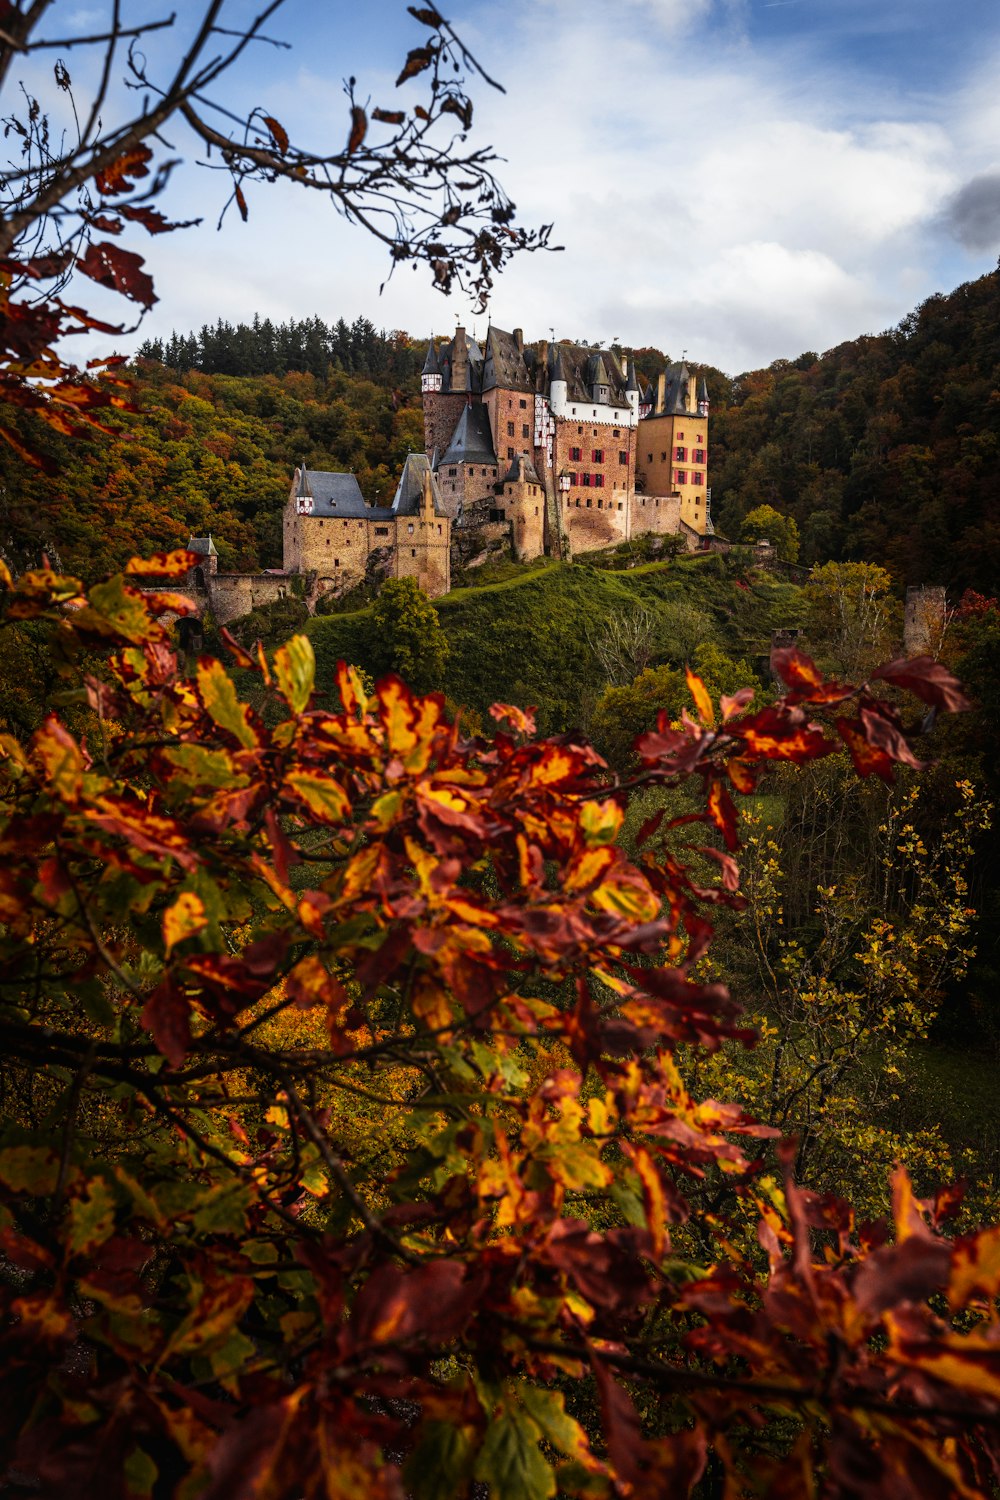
x: 740, y: 180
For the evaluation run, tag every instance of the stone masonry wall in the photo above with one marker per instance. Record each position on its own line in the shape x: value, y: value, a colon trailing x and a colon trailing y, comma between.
x: 441, y: 414
x: 657, y: 514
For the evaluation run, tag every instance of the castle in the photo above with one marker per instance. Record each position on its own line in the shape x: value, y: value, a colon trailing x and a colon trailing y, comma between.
x: 555, y: 449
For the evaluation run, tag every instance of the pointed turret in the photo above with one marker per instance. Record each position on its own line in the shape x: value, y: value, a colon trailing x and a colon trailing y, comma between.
x: 558, y: 385
x: 632, y: 395
x: 703, y: 398
x: 430, y: 379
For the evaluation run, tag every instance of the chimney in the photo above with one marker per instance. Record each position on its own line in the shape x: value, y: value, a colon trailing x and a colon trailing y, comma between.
x: 661, y: 393
x: 519, y: 339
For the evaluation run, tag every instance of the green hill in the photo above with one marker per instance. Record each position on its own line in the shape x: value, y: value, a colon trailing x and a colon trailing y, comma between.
x: 534, y: 638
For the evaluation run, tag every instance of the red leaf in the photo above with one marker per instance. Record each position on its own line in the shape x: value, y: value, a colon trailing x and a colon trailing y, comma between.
x: 929, y: 680
x: 722, y: 812
x: 166, y: 1014
x: 804, y: 678
x: 389, y: 116
x: 780, y: 733
x: 868, y: 759
x: 151, y: 218
x: 359, y: 128
x: 881, y: 727
x: 277, y: 132
x: 241, y: 202
x: 416, y: 61
x: 121, y: 270
x: 131, y: 164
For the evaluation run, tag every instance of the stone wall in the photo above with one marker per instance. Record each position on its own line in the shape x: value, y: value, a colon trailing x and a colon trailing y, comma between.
x: 232, y: 595
x: 657, y: 463
x: 656, y: 514
x: 441, y: 414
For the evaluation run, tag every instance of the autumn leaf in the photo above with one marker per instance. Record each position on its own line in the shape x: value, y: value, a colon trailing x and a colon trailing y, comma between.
x: 218, y: 694
x: 295, y: 672
x: 184, y: 919
x: 416, y: 61
x: 929, y: 680
x: 131, y: 164
x: 121, y: 270
x: 278, y: 134
x: 359, y: 129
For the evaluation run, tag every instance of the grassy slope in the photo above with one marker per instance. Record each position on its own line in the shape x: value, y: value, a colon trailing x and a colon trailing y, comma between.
x: 525, y: 640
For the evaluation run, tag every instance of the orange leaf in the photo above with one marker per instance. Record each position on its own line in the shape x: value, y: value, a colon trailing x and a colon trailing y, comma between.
x: 359, y: 128
x: 703, y: 702
x: 186, y: 917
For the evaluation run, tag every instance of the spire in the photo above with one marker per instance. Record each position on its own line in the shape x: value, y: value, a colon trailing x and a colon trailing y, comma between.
x: 556, y: 369
x: 633, y: 383
x: 303, y: 490
x: 431, y: 365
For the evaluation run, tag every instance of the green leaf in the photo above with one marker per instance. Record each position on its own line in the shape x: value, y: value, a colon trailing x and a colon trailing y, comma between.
x: 441, y: 1464
x: 116, y: 610
x: 548, y: 1409
x: 141, y: 1475
x: 91, y: 1217
x: 218, y: 694
x: 29, y: 1169
x: 510, y: 1461
x: 295, y: 670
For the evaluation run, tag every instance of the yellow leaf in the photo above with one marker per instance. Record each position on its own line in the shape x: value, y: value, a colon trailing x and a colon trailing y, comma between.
x: 295, y: 670
x: 703, y: 702
x: 186, y: 917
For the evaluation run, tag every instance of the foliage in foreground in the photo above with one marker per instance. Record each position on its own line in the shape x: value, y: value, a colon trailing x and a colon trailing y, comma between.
x: 218, y: 925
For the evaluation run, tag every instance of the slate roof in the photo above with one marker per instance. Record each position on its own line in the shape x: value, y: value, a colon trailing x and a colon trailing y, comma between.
x: 512, y: 475
x: 411, y: 487
x: 504, y: 364
x: 472, y: 440
x: 675, y: 396
x: 203, y: 545
x: 431, y: 365
x: 463, y: 359
x: 334, y: 494
x: 633, y: 379
x: 582, y: 368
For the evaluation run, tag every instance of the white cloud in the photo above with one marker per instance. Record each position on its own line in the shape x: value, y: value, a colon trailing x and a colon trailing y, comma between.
x: 744, y: 203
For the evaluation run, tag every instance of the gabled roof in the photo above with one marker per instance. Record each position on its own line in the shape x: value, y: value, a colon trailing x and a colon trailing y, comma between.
x: 411, y: 486
x: 203, y: 545
x: 503, y: 363
x: 472, y: 440
x: 461, y: 364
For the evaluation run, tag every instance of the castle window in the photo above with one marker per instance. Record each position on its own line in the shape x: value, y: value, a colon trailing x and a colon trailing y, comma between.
x: 328, y: 541
x: 410, y: 528
x: 439, y: 531
x: 413, y: 551
x: 623, y: 458
x: 680, y: 476
x: 579, y: 431
x: 697, y: 479
x: 619, y: 505
x: 663, y: 458
x: 593, y: 411
x: 575, y: 454
x: 598, y: 455
x: 574, y: 413
x: 536, y: 510
x: 599, y: 481
x: 336, y: 562
x: 700, y: 439
x: 522, y: 404
x: 510, y: 429
x: 680, y: 437
x: 680, y: 454
x: 585, y: 481
x: 525, y: 431
x: 381, y: 531
x: 578, y: 502
x: 616, y: 433
x: 452, y: 472
x: 510, y: 453
x: 589, y: 502
x: 346, y: 523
